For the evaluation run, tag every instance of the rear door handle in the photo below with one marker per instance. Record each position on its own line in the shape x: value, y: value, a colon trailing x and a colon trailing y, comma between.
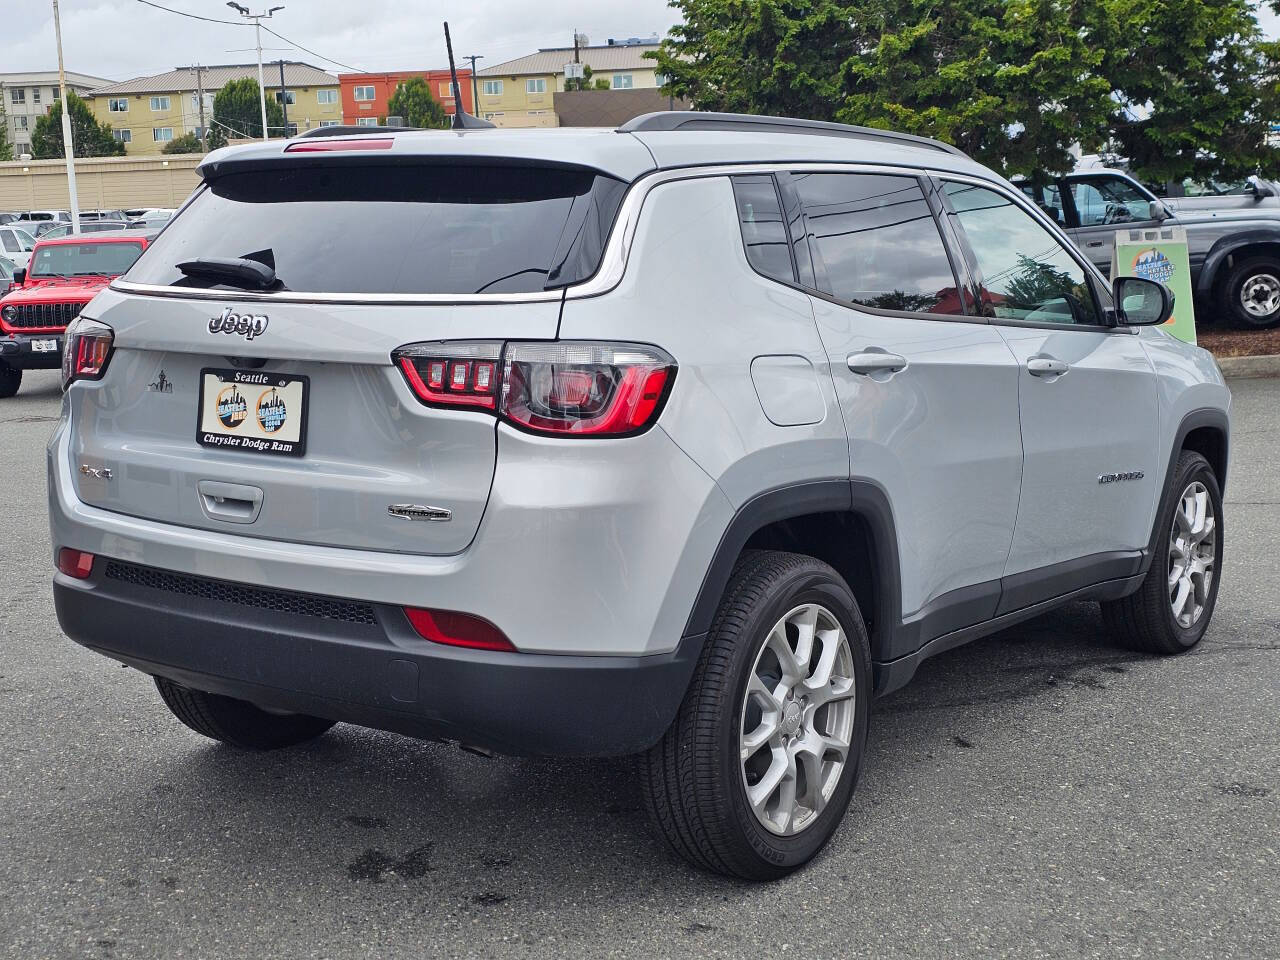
x: 876, y: 361
x: 1094, y: 243
x: 1046, y: 367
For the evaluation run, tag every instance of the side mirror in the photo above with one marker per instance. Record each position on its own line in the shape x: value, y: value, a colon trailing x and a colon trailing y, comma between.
x: 1260, y: 188
x: 1159, y: 211
x: 1140, y: 302
x: 19, y: 277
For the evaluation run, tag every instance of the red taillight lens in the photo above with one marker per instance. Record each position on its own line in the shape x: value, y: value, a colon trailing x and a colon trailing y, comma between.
x: 86, y: 351
x: 75, y: 563
x: 584, y: 389
x: 566, y: 389
x: 457, y: 630
x: 452, y: 374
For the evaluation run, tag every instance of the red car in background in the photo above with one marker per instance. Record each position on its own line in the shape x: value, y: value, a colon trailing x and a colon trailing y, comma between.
x: 64, y: 275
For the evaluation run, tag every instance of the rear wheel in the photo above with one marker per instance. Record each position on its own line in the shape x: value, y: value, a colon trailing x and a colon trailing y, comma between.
x: 1252, y: 291
x: 756, y: 772
x: 10, y: 380
x: 238, y: 722
x: 1171, y: 610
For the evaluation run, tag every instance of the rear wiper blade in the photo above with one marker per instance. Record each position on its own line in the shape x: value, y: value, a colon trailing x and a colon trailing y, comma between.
x: 249, y: 274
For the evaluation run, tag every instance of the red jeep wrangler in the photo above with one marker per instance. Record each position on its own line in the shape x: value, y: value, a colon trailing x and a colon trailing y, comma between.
x: 64, y: 275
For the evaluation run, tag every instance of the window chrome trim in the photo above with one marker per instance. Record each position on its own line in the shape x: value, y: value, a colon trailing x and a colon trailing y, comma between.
x: 608, y: 275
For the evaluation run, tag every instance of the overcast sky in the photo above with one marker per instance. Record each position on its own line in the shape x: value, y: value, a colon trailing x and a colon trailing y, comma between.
x: 119, y: 39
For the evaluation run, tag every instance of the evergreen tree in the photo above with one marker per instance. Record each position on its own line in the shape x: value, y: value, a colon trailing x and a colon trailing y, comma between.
x: 6, y: 148
x: 237, y: 112
x: 413, y: 101
x: 89, y: 137
x: 187, y: 143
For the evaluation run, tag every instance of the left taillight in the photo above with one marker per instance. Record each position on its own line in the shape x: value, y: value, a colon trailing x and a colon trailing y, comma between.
x: 86, y: 350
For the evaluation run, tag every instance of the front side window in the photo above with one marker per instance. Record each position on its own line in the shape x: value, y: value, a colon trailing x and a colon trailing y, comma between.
x: 535, y: 85
x: 162, y: 134
x: 493, y: 88
x: 764, y: 232
x: 1026, y: 273
x: 1048, y: 198
x: 1107, y: 200
x: 159, y: 103
x: 364, y: 93
x: 874, y: 237
x: 118, y: 104
x: 622, y: 81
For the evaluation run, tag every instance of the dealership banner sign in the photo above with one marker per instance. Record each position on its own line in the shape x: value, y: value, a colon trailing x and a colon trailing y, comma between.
x: 1160, y: 253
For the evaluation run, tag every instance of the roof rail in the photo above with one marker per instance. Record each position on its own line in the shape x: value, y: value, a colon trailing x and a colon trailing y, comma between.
x: 697, y: 120
x: 348, y: 131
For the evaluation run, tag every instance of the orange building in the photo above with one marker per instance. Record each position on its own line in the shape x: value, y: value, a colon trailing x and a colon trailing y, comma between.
x: 365, y: 95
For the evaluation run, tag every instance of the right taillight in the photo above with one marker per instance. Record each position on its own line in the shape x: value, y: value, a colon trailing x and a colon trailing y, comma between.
x: 576, y: 389
x: 85, y: 351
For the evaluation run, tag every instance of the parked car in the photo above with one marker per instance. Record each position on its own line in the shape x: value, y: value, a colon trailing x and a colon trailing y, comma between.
x: 149, y: 223
x: 86, y: 226
x: 1234, y: 249
x: 7, y: 267
x: 16, y: 244
x: 64, y: 274
x: 155, y: 213
x: 114, y: 215
x: 681, y: 443
x: 62, y: 216
x: 8, y: 216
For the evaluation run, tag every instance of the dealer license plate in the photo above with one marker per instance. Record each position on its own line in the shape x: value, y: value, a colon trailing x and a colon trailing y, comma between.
x: 253, y: 411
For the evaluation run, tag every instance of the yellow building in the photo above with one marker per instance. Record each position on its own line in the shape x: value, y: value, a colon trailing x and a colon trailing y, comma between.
x: 148, y: 112
x: 519, y: 93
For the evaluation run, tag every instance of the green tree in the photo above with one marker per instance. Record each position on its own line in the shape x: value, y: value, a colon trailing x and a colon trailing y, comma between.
x: 6, y: 148
x: 187, y: 143
x: 580, y: 84
x: 89, y: 137
x: 413, y: 101
x: 237, y: 113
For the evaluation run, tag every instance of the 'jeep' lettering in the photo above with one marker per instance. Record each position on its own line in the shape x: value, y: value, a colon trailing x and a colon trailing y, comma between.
x: 249, y: 326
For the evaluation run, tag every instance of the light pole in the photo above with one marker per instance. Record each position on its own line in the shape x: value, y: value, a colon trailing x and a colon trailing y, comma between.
x: 68, y: 148
x: 257, y: 19
x: 475, y: 87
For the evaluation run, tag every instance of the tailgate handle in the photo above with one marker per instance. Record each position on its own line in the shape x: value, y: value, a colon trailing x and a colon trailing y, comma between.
x: 232, y: 502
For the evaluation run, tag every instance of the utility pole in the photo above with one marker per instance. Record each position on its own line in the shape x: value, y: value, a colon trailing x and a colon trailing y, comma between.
x: 68, y: 148
x: 200, y: 100
x: 257, y: 19
x: 284, y: 98
x: 475, y: 89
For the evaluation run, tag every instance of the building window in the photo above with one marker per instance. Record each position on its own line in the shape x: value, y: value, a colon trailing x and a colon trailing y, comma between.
x: 535, y: 85
x: 18, y: 95
x: 122, y: 136
x: 160, y: 104
x: 330, y: 123
x: 493, y: 88
x: 622, y: 81
x: 326, y: 96
x: 118, y: 104
x: 20, y: 121
x: 162, y: 134
x: 286, y: 96
x: 661, y: 79
x: 364, y: 93
x: 490, y: 116
x: 35, y: 94
x: 446, y: 90
x: 366, y: 121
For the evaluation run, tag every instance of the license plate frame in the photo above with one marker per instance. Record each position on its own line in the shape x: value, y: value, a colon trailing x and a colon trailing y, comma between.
x: 45, y: 345
x: 214, y: 433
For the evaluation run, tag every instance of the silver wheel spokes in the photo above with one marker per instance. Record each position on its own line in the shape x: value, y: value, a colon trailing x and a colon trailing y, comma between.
x: 1193, y: 545
x: 797, y: 719
x: 1260, y: 295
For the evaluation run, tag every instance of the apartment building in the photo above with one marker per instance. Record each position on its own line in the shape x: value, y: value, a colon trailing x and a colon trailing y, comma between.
x: 146, y: 113
x: 27, y: 96
x: 519, y: 93
x: 365, y: 95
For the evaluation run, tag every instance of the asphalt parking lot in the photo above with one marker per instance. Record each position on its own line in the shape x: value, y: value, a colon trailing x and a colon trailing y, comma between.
x: 1036, y: 794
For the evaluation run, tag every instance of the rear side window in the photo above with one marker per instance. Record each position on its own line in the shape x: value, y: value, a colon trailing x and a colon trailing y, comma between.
x: 875, y: 239
x: 420, y: 229
x: 764, y: 233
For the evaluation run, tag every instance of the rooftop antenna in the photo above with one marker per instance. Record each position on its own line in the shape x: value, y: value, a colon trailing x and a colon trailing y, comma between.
x: 461, y: 119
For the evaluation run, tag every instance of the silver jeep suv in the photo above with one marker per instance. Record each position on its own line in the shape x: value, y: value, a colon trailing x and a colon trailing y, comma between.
x: 683, y: 440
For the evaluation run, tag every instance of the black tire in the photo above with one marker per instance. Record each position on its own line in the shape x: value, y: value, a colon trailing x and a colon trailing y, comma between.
x: 1254, y: 274
x: 692, y: 781
x: 10, y: 380
x: 1145, y: 620
x: 238, y: 722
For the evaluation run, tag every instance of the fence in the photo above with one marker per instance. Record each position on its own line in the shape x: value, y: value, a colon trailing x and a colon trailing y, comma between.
x: 102, y: 183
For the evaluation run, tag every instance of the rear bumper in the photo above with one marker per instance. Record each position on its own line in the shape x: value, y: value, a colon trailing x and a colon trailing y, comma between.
x: 17, y: 350
x: 362, y: 663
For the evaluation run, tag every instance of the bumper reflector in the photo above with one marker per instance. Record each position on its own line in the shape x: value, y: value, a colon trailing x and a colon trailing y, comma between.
x: 457, y: 630
x: 75, y: 563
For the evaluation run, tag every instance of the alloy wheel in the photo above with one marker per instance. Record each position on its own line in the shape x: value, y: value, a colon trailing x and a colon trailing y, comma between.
x: 797, y: 719
x: 1260, y: 295
x: 1193, y: 545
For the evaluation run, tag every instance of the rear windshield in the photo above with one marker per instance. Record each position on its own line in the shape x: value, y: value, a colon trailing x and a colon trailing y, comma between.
x: 420, y: 229
x: 84, y: 259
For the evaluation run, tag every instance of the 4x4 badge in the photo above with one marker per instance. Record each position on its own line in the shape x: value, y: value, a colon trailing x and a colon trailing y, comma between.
x: 249, y: 326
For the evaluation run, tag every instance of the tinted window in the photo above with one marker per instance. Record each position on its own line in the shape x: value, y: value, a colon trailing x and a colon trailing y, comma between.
x: 84, y: 259
x: 763, y: 231
x: 876, y: 240
x: 1107, y: 200
x: 1026, y: 272
x: 396, y: 229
